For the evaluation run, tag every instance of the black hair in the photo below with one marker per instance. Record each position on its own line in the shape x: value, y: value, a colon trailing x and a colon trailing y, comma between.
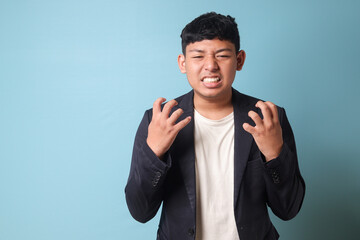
x: 210, y: 26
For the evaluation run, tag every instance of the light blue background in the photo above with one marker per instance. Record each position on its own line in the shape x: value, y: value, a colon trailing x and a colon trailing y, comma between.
x: 76, y: 77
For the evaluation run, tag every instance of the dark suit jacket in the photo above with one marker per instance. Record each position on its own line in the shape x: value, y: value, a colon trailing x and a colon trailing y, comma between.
x: 277, y: 184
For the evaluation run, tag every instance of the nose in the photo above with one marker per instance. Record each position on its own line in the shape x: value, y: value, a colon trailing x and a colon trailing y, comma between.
x: 211, y: 64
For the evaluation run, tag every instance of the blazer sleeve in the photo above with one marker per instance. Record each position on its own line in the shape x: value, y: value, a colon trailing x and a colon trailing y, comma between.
x: 144, y: 189
x: 285, y: 187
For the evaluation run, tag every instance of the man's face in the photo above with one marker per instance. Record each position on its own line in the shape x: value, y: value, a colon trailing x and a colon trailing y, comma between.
x: 210, y: 66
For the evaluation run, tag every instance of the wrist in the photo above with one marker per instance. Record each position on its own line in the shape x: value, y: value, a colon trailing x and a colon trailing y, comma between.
x: 273, y: 155
x: 156, y: 151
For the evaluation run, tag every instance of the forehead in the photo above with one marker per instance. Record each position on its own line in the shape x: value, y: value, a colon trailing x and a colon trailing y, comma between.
x: 210, y: 46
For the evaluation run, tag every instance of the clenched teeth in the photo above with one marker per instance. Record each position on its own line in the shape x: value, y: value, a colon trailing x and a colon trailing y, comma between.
x: 211, y: 80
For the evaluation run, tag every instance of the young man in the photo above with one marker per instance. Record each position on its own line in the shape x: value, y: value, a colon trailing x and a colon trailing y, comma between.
x: 215, y: 158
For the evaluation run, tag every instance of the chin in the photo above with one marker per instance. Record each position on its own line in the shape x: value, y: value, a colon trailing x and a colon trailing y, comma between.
x: 212, y: 94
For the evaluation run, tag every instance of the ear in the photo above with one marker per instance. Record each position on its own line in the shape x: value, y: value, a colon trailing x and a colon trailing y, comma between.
x: 240, y: 59
x: 181, y: 63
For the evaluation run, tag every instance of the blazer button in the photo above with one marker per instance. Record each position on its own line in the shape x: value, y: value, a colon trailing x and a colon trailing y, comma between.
x: 191, y: 232
x: 154, y: 183
x: 275, y: 177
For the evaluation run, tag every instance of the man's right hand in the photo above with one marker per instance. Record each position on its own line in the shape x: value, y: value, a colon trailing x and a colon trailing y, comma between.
x: 162, y: 129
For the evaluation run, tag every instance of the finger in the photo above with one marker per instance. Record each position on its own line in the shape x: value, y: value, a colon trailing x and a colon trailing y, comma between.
x: 175, y: 115
x: 265, y: 110
x: 274, y: 110
x: 180, y: 125
x: 256, y: 118
x: 157, y: 105
x: 167, y: 108
x: 250, y: 129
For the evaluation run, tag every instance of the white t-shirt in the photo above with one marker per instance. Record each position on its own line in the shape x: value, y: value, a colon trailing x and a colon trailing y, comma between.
x: 214, y: 166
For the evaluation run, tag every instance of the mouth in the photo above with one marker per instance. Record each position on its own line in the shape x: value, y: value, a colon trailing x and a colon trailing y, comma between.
x: 211, y: 82
x: 210, y: 79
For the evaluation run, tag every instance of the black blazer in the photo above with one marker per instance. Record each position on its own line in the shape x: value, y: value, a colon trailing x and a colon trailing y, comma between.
x: 257, y: 184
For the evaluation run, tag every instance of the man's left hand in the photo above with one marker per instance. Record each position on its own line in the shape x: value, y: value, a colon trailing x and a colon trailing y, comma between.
x: 267, y: 132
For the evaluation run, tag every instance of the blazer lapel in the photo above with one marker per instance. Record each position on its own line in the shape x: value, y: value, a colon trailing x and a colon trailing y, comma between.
x: 185, y: 149
x: 242, y: 139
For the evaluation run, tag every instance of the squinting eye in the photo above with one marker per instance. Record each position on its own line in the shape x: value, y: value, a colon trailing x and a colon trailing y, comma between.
x: 197, y: 57
x: 223, y: 56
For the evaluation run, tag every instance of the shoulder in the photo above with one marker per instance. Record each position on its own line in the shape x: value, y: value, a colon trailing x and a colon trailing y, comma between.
x: 184, y: 101
x: 245, y: 102
x: 242, y: 99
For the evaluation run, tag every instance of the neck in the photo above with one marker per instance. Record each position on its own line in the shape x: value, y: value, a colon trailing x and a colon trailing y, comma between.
x: 213, y: 108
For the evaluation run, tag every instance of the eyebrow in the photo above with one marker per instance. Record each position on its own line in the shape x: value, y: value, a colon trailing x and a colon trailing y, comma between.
x: 217, y: 51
